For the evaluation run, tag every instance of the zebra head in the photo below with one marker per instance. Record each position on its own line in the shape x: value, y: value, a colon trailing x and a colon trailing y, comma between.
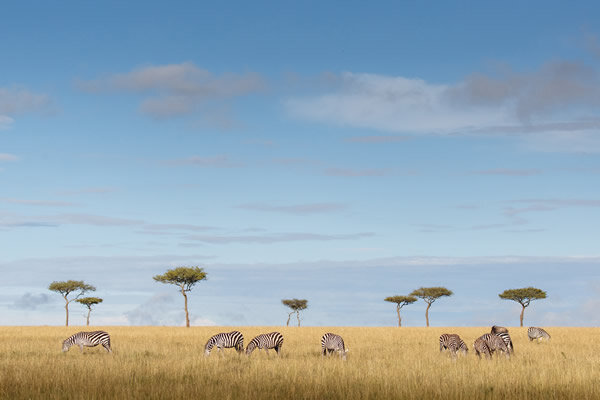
x: 207, y: 348
x: 345, y: 353
x: 65, y: 346
x: 250, y: 348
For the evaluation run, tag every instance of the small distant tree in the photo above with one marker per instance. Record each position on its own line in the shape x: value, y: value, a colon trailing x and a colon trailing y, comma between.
x: 400, y: 301
x: 89, y: 302
x: 296, y: 305
x: 185, y: 278
x: 430, y: 295
x: 523, y: 296
x: 65, y: 288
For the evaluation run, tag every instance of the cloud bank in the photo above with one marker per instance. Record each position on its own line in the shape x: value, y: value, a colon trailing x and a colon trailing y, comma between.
x: 555, y: 106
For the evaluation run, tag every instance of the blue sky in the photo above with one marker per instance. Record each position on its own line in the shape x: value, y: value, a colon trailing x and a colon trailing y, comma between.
x: 340, y: 154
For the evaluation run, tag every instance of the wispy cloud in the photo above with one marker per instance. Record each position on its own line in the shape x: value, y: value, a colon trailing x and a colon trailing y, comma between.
x: 88, y: 190
x: 220, y: 161
x: 298, y: 209
x: 378, y: 139
x: 509, y: 172
x: 44, y: 203
x: 275, y: 237
x: 16, y: 101
x: 354, y: 173
x: 6, y: 157
x: 11, y: 220
x: 177, y: 89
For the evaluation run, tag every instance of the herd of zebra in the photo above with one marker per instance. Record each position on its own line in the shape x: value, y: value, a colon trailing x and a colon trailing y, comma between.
x: 497, y: 340
x: 330, y: 342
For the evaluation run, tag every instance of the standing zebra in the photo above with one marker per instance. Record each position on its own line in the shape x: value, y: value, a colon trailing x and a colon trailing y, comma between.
x: 273, y: 340
x: 331, y: 342
x: 453, y: 342
x: 88, y: 339
x: 225, y: 340
x: 495, y: 342
x: 537, y: 333
x: 503, y: 333
x: 481, y: 347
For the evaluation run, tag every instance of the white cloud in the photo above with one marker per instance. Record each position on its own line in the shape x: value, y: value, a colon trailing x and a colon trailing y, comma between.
x: 16, y: 101
x: 5, y: 122
x: 554, y: 108
x: 394, y: 104
x: 176, y: 89
x: 5, y: 157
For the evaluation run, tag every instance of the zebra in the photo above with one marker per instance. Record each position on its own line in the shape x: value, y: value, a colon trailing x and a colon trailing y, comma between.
x: 480, y: 346
x: 225, y: 340
x: 331, y: 342
x: 495, y: 342
x: 273, y: 340
x: 88, y: 339
x: 499, y: 329
x: 503, y: 333
x: 537, y: 333
x: 453, y: 342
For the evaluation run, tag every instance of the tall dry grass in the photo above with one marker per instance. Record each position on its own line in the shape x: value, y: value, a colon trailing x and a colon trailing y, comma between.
x: 401, y: 363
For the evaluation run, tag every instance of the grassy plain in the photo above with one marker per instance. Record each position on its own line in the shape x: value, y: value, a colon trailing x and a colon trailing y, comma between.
x: 383, y: 363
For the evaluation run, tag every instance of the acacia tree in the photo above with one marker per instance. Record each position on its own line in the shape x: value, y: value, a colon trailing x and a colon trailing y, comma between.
x: 400, y: 301
x: 65, y: 288
x: 430, y: 295
x: 89, y: 302
x: 296, y: 306
x: 185, y: 278
x: 523, y: 296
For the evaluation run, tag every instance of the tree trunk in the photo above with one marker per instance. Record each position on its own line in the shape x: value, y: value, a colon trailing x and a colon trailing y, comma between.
x: 522, y: 312
x: 399, y: 319
x: 298, y: 316
x: 427, y: 314
x: 88, y: 317
x: 288, y: 321
x: 67, y: 310
x: 187, y: 315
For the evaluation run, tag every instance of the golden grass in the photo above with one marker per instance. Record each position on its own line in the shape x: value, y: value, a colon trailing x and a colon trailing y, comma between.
x: 386, y: 363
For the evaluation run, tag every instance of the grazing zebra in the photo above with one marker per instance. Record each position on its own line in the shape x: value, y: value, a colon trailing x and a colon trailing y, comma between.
x: 495, y: 342
x: 481, y: 347
x: 331, y: 342
x: 452, y: 342
x: 537, y: 333
x: 225, y: 340
x: 273, y: 340
x: 503, y: 333
x: 499, y: 329
x: 88, y: 339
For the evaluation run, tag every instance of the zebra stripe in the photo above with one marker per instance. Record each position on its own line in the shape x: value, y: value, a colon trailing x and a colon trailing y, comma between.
x: 481, y: 347
x: 495, y: 342
x: 537, y: 333
x: 225, y: 340
x: 331, y: 342
x: 452, y: 342
x: 507, y: 341
x: 88, y: 339
x: 273, y: 340
x: 503, y: 333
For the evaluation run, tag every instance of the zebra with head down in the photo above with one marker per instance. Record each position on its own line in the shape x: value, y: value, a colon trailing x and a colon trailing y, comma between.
x: 537, y: 334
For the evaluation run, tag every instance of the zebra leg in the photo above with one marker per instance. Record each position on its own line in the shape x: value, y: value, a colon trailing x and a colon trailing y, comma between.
x: 107, y: 347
